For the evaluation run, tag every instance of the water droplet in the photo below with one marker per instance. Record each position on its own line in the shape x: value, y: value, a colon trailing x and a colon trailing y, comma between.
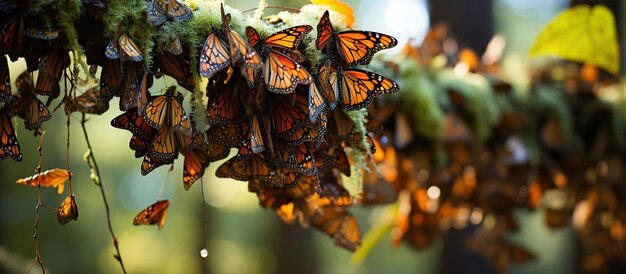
x: 204, y: 253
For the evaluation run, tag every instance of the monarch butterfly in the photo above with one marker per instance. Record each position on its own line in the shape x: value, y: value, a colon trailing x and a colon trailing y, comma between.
x: 246, y: 168
x: 26, y: 104
x: 88, y: 102
x: 164, y: 146
x: 225, y: 47
x: 343, y: 128
x: 166, y: 110
x: 257, y: 140
x: 194, y: 141
x: 355, y: 47
x: 338, y: 224
x: 13, y: 38
x: 153, y: 214
x: 308, y: 133
x: 51, y: 69
x: 195, y: 163
x: 110, y: 79
x: 9, y: 145
x: 176, y: 66
x: 160, y: 10
x: 124, y: 48
x: 134, y: 88
x: 356, y: 88
x: 68, y: 210
x: 281, y: 72
x: 321, y: 93
x: 5, y: 81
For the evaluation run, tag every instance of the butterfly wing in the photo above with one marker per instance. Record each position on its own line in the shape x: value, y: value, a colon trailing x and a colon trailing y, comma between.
x: 110, y: 79
x: 241, y: 50
x: 164, y: 146
x: 36, y: 114
x: 357, y: 87
x: 195, y: 163
x: 9, y: 145
x: 130, y: 48
x: 176, y: 66
x: 179, y: 11
x: 156, y: 13
x: 358, y: 47
x: 282, y: 74
x: 288, y: 39
x: 153, y: 214
x: 5, y: 81
x: 215, y: 55
x: 325, y: 31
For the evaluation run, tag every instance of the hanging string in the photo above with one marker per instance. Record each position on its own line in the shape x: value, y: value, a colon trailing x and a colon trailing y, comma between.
x: 204, y: 252
x: 39, y: 204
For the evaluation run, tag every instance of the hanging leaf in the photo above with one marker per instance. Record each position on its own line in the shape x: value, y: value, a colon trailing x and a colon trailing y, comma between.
x: 49, y: 178
x: 582, y: 34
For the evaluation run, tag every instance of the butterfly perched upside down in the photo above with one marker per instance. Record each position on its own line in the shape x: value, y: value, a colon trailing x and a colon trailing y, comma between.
x: 153, y: 214
x: 161, y: 10
x: 281, y: 70
x: 67, y: 211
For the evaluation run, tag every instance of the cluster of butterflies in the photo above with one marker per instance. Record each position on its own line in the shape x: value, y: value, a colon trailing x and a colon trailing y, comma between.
x: 285, y: 114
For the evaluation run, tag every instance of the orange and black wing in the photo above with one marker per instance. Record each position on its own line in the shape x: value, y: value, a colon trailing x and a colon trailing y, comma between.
x: 253, y: 36
x: 357, y: 88
x: 130, y: 48
x: 358, y: 47
x: 153, y: 214
x: 246, y: 168
x: 195, y: 163
x: 325, y: 31
x: 164, y: 146
x: 340, y: 225
x: 288, y: 39
x: 134, y: 123
x: 51, y: 68
x: 215, y: 54
x: 176, y: 66
x: 9, y: 145
x: 35, y: 114
x: 282, y: 74
x: 110, y: 79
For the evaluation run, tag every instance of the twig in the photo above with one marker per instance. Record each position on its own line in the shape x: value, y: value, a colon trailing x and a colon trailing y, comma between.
x: 94, y: 165
x: 274, y: 7
x: 39, y: 204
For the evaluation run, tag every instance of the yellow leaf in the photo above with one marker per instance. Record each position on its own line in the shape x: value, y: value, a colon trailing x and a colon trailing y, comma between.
x: 338, y: 7
x: 582, y: 34
x: 50, y: 178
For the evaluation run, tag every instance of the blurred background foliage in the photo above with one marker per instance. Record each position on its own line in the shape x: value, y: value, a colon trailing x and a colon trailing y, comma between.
x: 242, y: 237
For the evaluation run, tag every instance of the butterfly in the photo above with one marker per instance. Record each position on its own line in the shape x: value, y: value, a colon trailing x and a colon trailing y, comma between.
x: 225, y: 47
x: 321, y: 93
x: 5, y: 81
x: 88, y: 102
x: 246, y: 168
x: 357, y: 88
x: 195, y: 163
x: 228, y: 135
x: 27, y: 106
x: 12, y: 41
x: 298, y: 158
x: 281, y: 72
x: 224, y: 105
x: 338, y: 224
x: 51, y: 68
x: 167, y: 110
x: 355, y: 47
x: 153, y: 214
x: 160, y: 10
x: 176, y: 66
x: 133, y: 91
x: 111, y: 78
x: 124, y: 48
x: 9, y: 145
x: 68, y: 210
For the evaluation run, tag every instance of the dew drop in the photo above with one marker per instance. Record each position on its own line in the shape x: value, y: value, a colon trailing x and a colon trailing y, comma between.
x: 204, y: 253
